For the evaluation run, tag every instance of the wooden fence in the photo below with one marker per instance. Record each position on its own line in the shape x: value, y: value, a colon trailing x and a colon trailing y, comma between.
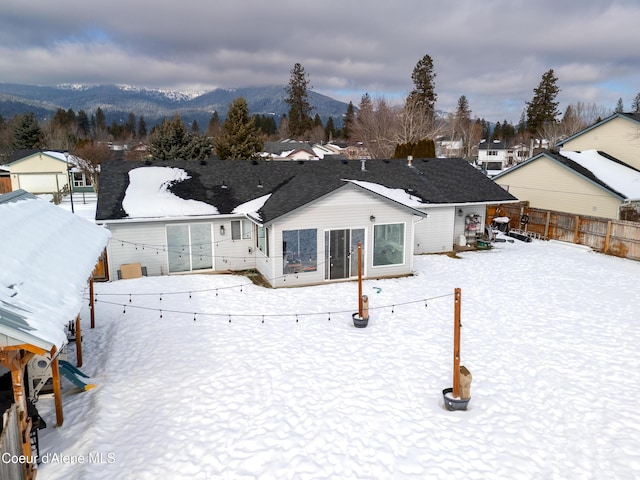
x: 10, y: 445
x: 614, y: 237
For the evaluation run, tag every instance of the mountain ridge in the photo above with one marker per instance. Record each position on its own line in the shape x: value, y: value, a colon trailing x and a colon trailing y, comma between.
x: 117, y: 101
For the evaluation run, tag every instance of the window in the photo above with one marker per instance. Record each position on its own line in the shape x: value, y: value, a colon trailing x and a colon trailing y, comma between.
x: 263, y: 240
x: 79, y: 180
x: 492, y: 153
x: 388, y: 244
x: 189, y: 247
x: 300, y: 250
x: 240, y: 229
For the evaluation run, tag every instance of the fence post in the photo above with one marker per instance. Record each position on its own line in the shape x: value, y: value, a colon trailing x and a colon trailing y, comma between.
x: 576, y: 230
x: 607, y: 239
x: 546, y: 225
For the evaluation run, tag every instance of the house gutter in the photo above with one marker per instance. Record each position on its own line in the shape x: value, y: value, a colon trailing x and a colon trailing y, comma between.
x: 170, y: 219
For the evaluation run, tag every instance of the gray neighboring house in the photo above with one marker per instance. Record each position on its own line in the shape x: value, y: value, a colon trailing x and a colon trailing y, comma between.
x: 297, y: 223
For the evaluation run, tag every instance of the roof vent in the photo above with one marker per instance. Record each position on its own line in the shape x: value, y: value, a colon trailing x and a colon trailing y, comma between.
x: 363, y: 165
x: 410, y: 160
x: 203, y: 162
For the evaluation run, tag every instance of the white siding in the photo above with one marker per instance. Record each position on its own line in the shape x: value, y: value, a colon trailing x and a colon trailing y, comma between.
x: 435, y: 234
x: 146, y: 243
x: 347, y: 208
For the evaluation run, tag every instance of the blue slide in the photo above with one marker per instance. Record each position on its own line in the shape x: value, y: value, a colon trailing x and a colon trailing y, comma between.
x: 74, y: 375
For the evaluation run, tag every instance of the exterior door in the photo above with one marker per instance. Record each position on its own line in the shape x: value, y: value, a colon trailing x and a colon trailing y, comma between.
x: 341, y: 253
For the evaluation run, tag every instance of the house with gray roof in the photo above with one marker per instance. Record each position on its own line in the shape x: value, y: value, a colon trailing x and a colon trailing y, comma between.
x: 297, y: 223
x: 589, y: 183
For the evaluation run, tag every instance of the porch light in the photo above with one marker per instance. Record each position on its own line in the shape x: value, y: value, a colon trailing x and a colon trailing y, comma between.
x: 221, y: 229
x: 372, y: 218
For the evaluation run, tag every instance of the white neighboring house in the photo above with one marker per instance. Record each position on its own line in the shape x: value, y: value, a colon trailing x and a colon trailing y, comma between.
x: 494, y: 156
x: 297, y: 223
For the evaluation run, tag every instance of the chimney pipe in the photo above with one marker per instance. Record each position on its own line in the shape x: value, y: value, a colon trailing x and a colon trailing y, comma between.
x: 409, y: 160
x: 363, y: 167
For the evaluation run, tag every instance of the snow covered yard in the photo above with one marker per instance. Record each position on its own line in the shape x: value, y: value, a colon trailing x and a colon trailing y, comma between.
x: 550, y: 334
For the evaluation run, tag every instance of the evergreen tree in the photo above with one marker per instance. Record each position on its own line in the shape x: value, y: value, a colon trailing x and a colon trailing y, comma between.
x: 130, y: 125
x: 84, y: 125
x: 27, y: 134
x: 298, y: 100
x: 424, y: 92
x: 240, y: 138
x: 195, y: 128
x: 619, y: 106
x: 635, y: 105
x: 422, y: 149
x: 100, y: 120
x: 543, y: 108
x: 142, y: 127
x: 330, y: 130
x: 214, y: 127
x: 347, y: 124
x: 170, y: 140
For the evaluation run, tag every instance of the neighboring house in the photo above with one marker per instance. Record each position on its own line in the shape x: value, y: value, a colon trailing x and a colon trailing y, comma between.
x: 618, y: 135
x: 296, y: 150
x: 589, y: 183
x: 494, y: 156
x: 47, y: 172
x: 449, y: 147
x: 48, y: 255
x: 297, y: 223
x: 5, y: 180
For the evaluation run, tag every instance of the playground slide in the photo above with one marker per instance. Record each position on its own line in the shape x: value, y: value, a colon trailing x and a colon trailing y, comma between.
x: 74, y: 375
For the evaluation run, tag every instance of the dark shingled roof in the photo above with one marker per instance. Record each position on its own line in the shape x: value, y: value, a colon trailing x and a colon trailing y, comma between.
x: 226, y: 184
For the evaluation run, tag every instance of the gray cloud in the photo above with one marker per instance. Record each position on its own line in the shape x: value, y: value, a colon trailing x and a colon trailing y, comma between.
x: 494, y: 52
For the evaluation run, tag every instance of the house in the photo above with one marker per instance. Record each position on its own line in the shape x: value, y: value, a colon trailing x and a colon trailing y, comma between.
x: 590, y: 183
x: 297, y: 150
x: 47, y: 172
x: 297, y: 223
x: 618, y: 135
x: 48, y: 255
x: 494, y: 156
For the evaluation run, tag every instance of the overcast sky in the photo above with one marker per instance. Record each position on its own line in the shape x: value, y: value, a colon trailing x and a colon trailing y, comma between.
x: 493, y: 51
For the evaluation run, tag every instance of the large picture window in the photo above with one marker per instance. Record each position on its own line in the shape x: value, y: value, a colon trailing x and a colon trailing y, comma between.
x: 300, y: 250
x: 388, y: 244
x: 189, y: 247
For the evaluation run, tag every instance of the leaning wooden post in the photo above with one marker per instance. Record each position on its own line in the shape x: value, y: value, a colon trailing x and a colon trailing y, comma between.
x: 456, y: 343
x: 607, y: 239
x: 92, y: 304
x: 360, y: 280
x: 78, y: 342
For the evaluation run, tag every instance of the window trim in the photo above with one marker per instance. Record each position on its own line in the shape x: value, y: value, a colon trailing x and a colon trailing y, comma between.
x: 245, y: 227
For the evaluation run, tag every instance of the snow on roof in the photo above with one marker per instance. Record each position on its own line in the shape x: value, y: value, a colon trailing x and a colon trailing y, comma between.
x: 396, y: 194
x: 622, y: 179
x: 252, y: 206
x: 59, y: 155
x: 148, y: 195
x: 48, y: 255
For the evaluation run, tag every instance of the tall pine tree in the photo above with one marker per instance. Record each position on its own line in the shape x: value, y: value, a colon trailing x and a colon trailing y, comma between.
x: 543, y: 108
x: 298, y: 100
x: 424, y: 91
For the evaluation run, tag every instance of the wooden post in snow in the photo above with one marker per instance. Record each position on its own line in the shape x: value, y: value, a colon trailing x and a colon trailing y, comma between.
x: 57, y: 391
x: 360, y: 280
x: 607, y: 240
x: 456, y: 343
x: 78, y: 343
x: 92, y: 304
